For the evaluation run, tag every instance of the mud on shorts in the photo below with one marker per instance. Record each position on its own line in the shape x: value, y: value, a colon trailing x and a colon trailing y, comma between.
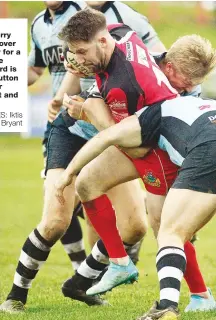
x: 157, y: 171
x: 62, y: 145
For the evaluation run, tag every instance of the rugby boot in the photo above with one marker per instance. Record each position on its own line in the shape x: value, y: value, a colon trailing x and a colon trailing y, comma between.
x: 154, y: 313
x: 198, y: 303
x: 12, y: 306
x: 75, y: 289
x: 115, y: 276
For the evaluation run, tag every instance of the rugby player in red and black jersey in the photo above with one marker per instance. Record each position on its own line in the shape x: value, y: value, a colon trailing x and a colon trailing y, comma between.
x: 128, y: 79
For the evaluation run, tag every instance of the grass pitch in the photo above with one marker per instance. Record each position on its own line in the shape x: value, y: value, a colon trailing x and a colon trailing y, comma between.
x: 21, y: 205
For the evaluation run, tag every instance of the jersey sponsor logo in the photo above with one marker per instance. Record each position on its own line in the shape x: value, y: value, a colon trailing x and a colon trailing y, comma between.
x: 52, y: 55
x: 119, y: 110
x: 129, y: 51
x: 141, y: 56
x: 150, y: 179
x: 118, y: 104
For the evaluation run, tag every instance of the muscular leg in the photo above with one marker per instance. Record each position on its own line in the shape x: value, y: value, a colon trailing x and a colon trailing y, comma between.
x: 55, y: 220
x: 129, y: 204
x: 180, y: 205
x: 106, y: 171
x: 192, y: 274
x: 128, y: 200
x: 36, y: 248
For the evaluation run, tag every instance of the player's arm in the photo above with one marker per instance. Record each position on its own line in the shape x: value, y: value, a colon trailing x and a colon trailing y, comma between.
x: 127, y: 134
x: 98, y: 113
x: 142, y: 129
x: 36, y: 64
x: 69, y: 85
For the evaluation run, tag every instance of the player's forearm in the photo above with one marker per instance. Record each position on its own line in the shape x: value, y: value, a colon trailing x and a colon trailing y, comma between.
x: 91, y: 150
x: 98, y: 113
x: 69, y: 85
x: 103, y: 124
x: 124, y: 134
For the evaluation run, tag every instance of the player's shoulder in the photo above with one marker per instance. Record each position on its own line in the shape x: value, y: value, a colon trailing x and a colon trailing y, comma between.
x: 38, y: 18
x: 129, y: 41
x: 128, y: 14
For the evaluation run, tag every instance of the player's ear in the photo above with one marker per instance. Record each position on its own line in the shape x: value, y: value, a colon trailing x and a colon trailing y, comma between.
x: 168, y: 68
x: 103, y: 42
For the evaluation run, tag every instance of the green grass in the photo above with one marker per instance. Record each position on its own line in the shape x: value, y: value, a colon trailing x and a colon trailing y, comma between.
x: 21, y: 206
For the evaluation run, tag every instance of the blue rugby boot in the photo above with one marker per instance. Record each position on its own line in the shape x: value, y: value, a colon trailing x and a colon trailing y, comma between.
x: 115, y: 276
x: 198, y: 303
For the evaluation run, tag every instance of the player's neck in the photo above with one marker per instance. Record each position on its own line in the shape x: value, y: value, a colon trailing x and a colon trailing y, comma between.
x: 110, y: 50
x: 52, y: 14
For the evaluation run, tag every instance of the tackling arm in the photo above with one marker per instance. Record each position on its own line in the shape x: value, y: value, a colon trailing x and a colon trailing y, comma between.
x: 126, y: 134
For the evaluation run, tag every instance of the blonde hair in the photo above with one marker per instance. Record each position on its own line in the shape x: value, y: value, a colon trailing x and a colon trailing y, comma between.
x: 193, y: 57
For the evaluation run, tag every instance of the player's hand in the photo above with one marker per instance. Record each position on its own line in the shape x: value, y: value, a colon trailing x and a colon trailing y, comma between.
x: 54, y: 108
x: 74, y: 105
x: 64, y: 181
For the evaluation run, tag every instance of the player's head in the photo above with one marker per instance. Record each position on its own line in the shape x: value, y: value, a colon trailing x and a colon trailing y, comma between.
x: 188, y: 61
x: 96, y: 4
x: 87, y: 37
x: 53, y: 5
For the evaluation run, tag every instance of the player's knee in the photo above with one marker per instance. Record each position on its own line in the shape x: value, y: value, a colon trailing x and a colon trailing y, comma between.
x: 135, y: 231
x: 140, y: 230
x: 82, y: 186
x: 53, y: 229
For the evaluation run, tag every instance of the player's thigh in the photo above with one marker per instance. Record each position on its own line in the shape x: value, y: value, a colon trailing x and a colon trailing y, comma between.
x: 184, y: 212
x: 62, y: 145
x: 192, y: 199
x: 106, y: 171
x: 128, y: 200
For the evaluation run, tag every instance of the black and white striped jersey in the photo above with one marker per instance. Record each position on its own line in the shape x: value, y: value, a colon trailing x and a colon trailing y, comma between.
x: 178, y: 125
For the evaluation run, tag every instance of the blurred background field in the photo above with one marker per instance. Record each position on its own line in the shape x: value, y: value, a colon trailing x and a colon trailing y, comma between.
x: 21, y: 191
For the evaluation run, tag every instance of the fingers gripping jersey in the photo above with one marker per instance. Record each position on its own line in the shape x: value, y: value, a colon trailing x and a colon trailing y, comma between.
x: 132, y: 79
